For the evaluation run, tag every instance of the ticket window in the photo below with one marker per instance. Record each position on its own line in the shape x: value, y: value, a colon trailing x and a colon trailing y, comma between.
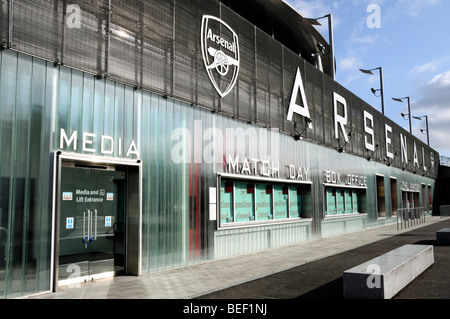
x: 280, y: 201
x: 264, y: 201
x: 381, y: 196
x: 355, y: 202
x: 340, y: 204
x: 244, y: 202
x: 342, y: 201
x: 295, y: 201
x: 348, y: 202
x: 226, y: 202
x: 252, y: 201
x: 430, y: 198
x: 330, y: 194
x: 394, y: 199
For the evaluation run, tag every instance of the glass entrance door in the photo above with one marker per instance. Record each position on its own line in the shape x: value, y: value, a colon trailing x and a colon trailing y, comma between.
x: 92, y: 224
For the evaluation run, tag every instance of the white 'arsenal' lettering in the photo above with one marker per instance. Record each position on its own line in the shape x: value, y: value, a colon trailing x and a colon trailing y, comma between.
x: 341, y: 122
x: 221, y: 41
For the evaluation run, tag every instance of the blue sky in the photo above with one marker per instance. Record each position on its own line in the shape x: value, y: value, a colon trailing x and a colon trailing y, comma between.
x: 412, y: 45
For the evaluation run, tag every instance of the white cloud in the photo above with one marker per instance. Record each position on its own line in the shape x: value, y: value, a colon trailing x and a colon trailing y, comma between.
x: 430, y: 67
x: 435, y: 102
x: 425, y: 68
x: 436, y: 93
x: 317, y: 9
x: 414, y: 8
x: 350, y: 63
x: 310, y: 9
x: 441, y: 81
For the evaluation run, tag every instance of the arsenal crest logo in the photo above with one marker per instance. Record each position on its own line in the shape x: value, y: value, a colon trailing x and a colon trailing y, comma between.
x: 220, y: 49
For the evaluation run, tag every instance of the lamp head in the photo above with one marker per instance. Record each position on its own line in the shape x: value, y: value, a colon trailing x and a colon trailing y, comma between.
x: 366, y: 71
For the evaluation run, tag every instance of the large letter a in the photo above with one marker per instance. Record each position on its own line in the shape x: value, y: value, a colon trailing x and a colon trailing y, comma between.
x: 293, y: 106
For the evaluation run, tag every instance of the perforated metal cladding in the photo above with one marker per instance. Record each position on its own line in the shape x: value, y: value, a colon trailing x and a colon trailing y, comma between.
x: 37, y: 28
x: 243, y: 99
x: 86, y: 47
x: 4, y: 23
x: 156, y: 46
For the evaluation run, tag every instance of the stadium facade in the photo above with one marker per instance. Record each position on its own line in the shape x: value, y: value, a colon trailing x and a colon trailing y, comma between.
x: 140, y: 136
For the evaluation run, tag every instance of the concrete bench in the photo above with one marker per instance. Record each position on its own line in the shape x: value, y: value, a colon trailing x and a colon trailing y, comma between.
x: 384, y: 276
x: 443, y: 236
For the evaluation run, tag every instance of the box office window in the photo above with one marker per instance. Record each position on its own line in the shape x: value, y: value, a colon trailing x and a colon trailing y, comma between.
x: 226, y: 202
x: 381, y: 196
x: 264, y: 202
x: 244, y: 202
x: 394, y: 197
x: 254, y: 201
x: 344, y: 201
x: 281, y: 201
x: 410, y: 199
x: 430, y: 199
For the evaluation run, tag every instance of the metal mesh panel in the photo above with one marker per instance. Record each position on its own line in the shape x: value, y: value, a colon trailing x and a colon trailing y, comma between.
x: 291, y: 64
x: 231, y: 104
x: 356, y: 114
x: 141, y: 44
x: 328, y: 114
x: 341, y: 142
x: 4, y: 23
x: 245, y: 86
x: 262, y: 77
x: 314, y: 94
x: 276, y: 102
x: 186, y: 47
x: 379, y: 131
x: 38, y: 28
x: 85, y: 44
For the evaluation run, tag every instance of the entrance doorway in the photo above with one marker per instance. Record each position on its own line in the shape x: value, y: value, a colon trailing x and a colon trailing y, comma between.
x: 95, y: 202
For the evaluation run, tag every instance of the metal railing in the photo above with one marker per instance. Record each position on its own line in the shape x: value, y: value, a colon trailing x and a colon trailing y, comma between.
x: 408, y: 217
x: 444, y: 210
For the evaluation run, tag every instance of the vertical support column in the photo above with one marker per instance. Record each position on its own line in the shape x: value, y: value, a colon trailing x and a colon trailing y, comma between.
x: 134, y: 222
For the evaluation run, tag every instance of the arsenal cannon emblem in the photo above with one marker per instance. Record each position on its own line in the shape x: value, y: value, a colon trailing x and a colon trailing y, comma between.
x: 220, y: 49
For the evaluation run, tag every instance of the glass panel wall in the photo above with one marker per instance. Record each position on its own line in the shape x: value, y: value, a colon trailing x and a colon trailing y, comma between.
x: 25, y: 202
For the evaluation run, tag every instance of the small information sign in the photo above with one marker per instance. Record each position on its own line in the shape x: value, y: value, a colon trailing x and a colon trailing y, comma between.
x: 69, y: 223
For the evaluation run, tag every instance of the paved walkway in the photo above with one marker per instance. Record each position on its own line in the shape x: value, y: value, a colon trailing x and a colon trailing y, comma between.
x: 207, y: 278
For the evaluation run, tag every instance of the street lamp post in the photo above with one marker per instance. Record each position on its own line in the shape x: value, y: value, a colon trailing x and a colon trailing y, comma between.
x: 381, y: 84
x: 427, y: 130
x: 331, y: 39
x: 409, y: 110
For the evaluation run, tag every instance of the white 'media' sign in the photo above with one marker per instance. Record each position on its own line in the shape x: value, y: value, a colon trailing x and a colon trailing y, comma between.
x: 90, y: 143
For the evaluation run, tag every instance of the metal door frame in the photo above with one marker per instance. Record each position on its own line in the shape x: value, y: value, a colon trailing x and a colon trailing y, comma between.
x: 133, y: 238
